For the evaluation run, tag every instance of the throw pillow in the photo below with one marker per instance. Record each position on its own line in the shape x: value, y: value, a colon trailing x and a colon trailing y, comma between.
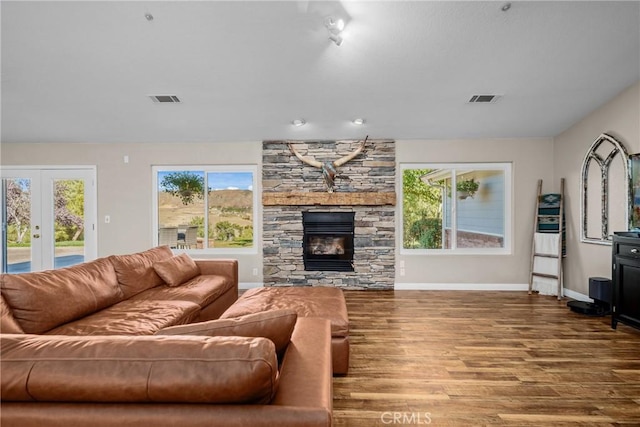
x: 176, y: 270
x: 276, y: 325
x: 135, y: 271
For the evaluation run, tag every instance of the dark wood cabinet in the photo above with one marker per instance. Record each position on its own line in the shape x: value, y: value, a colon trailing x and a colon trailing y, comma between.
x: 625, y: 276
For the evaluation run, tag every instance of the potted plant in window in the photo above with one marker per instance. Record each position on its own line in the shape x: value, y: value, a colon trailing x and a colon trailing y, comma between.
x: 466, y: 188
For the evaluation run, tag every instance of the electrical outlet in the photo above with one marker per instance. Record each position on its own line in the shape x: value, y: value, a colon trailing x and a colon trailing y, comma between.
x: 255, y: 271
x: 107, y: 219
x: 402, y: 272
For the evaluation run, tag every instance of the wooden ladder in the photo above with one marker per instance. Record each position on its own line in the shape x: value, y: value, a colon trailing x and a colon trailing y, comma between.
x: 535, y: 253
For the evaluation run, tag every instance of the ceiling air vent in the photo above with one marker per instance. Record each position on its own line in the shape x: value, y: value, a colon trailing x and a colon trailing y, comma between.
x: 484, y: 99
x: 165, y: 99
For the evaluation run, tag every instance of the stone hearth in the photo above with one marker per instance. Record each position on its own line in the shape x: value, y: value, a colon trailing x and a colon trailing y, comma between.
x: 365, y: 186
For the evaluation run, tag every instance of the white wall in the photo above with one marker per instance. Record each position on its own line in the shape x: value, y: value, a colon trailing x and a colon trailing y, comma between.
x: 124, y: 189
x: 620, y: 118
x: 530, y: 160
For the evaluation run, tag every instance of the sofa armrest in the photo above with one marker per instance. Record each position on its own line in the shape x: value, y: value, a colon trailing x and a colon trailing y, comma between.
x: 306, y: 375
x: 219, y: 267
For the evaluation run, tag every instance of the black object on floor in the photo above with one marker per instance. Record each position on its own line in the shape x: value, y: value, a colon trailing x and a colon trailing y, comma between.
x: 588, y: 308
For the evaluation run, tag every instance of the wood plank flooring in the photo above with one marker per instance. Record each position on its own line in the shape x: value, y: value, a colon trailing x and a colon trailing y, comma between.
x: 457, y: 358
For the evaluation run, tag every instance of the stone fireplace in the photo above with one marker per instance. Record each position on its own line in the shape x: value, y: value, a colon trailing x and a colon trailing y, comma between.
x: 360, y: 252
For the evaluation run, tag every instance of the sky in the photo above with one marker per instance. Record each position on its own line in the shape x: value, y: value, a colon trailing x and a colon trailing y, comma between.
x: 220, y: 180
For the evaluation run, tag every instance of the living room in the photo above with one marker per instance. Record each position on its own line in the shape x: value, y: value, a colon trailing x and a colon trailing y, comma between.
x: 565, y: 73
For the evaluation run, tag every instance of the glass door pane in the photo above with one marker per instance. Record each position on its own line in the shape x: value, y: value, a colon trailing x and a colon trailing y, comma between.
x: 69, y: 247
x: 16, y: 225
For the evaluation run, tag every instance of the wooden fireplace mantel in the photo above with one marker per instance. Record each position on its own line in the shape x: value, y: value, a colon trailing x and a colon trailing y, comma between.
x: 294, y: 198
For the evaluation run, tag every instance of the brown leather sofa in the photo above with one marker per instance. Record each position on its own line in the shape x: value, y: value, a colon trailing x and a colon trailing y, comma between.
x: 78, y: 349
x: 133, y: 294
x: 167, y: 381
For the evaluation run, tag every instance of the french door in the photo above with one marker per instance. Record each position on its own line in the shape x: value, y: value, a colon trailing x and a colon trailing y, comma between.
x: 48, y: 218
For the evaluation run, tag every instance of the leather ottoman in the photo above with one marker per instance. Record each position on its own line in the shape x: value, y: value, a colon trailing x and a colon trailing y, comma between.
x: 324, y: 302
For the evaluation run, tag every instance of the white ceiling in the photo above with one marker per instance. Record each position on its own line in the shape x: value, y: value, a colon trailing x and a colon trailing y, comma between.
x: 81, y: 71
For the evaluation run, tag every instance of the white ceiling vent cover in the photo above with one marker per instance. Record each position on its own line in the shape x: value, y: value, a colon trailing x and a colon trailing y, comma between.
x: 484, y: 99
x: 165, y: 99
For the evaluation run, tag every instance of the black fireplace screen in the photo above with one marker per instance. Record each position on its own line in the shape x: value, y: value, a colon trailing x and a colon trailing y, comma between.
x: 328, y: 241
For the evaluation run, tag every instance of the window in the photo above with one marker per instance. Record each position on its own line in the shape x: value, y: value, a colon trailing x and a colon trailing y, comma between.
x: 456, y: 208
x: 208, y: 209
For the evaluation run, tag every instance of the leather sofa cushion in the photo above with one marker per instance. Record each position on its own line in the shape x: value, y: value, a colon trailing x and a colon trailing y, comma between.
x: 176, y: 270
x: 135, y: 271
x: 43, y: 300
x: 132, y: 318
x: 186, y: 369
x: 8, y: 323
x: 202, y: 290
x: 276, y: 325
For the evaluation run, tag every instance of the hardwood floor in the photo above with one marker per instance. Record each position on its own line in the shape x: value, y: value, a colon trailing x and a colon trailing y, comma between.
x: 456, y: 358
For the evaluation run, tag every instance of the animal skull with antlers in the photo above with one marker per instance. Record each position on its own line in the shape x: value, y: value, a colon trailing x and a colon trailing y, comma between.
x: 329, y: 169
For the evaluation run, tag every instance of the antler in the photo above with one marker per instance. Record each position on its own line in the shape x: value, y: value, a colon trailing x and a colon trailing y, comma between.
x: 310, y: 162
x: 341, y: 161
x: 329, y: 168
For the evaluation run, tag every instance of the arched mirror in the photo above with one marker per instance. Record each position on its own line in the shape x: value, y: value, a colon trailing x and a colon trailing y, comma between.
x: 606, y: 190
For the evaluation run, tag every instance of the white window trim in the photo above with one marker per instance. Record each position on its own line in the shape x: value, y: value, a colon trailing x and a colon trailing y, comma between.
x: 207, y: 168
x: 507, y: 167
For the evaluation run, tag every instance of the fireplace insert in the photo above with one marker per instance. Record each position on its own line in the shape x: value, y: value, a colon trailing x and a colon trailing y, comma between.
x: 328, y: 241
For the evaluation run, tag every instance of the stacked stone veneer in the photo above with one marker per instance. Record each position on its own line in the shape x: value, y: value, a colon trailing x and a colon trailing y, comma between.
x: 282, y: 231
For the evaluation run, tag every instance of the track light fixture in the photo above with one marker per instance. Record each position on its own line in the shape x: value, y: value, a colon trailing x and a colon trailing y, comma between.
x: 335, y: 27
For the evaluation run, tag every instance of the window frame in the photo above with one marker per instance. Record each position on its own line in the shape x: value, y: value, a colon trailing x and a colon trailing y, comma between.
x: 505, y: 167
x: 155, y: 169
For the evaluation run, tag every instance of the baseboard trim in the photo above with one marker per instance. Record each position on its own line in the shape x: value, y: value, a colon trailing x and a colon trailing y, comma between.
x: 453, y: 287
x: 250, y: 285
x: 480, y: 287
x: 461, y: 287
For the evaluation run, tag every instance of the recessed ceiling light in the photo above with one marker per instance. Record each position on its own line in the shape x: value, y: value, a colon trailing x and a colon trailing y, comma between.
x: 506, y: 7
x: 148, y: 17
x: 298, y: 122
x: 359, y: 121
